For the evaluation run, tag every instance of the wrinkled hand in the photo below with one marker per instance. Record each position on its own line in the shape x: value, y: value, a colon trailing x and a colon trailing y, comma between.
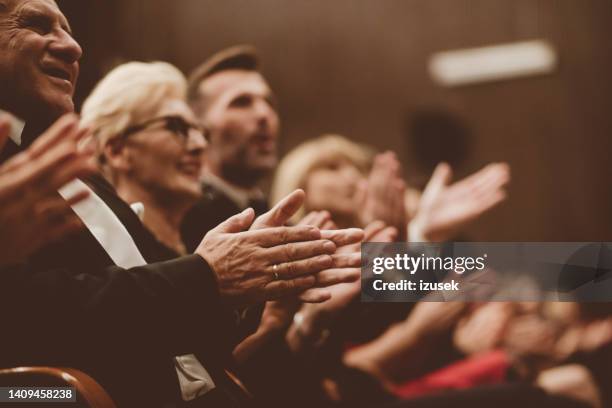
x: 267, y: 263
x: 345, y: 264
x: 32, y: 213
x: 244, y: 261
x: 278, y: 314
x: 381, y: 197
x: 444, y: 209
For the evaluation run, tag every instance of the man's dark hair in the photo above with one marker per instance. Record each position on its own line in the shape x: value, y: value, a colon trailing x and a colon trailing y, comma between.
x: 242, y: 57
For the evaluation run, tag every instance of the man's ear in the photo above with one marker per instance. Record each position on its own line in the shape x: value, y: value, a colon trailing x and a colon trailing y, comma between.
x: 116, y: 156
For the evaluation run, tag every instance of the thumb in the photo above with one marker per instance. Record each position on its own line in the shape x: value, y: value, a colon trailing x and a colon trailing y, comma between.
x: 237, y: 223
x: 282, y: 212
x: 439, y: 179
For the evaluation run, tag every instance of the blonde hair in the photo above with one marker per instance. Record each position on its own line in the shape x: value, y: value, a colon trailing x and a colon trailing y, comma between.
x: 129, y: 94
x: 295, y: 167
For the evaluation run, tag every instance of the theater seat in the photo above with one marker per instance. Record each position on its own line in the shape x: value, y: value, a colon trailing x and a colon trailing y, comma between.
x: 89, y: 393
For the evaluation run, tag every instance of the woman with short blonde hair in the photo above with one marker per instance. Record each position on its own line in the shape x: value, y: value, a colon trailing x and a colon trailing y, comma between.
x: 128, y: 95
x: 149, y: 144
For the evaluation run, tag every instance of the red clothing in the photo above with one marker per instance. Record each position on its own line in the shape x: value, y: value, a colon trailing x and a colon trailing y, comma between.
x: 487, y: 368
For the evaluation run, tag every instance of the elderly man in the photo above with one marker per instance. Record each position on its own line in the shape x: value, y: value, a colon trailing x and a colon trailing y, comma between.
x: 104, y: 300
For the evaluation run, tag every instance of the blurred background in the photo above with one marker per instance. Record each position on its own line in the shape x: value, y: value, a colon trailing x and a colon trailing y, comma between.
x: 360, y: 68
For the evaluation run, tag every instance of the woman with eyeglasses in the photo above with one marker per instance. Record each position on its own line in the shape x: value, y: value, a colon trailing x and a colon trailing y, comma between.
x: 149, y: 145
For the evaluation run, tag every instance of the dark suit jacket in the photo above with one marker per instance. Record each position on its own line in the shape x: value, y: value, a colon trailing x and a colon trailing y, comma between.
x: 214, y: 208
x: 69, y: 305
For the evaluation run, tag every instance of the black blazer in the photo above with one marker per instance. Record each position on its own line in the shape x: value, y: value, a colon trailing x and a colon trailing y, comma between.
x: 210, y: 211
x: 69, y: 305
x: 214, y: 208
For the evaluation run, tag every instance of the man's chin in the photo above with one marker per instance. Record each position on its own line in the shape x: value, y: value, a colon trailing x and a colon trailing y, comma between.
x: 264, y: 165
x: 61, y: 105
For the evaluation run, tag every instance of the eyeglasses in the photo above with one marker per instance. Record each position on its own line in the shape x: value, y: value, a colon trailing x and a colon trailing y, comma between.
x: 173, y: 123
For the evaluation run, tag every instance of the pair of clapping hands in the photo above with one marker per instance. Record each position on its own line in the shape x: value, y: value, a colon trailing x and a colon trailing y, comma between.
x: 262, y: 259
x: 443, y: 208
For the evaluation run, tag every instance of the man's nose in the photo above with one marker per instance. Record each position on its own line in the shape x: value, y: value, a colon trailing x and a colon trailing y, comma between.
x: 264, y: 113
x: 65, y: 47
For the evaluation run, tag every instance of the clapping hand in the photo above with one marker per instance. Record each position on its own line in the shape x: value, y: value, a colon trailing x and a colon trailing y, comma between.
x: 32, y: 213
x: 445, y: 208
x: 381, y: 197
x: 345, y: 265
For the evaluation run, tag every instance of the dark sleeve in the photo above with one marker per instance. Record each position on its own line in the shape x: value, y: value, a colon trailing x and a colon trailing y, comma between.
x: 209, y: 212
x: 599, y: 363
x: 291, y: 379
x: 168, y: 308
x: 197, y: 222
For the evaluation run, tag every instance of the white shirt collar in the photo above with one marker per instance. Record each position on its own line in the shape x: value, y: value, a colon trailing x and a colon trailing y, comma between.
x: 240, y: 196
x: 17, y: 126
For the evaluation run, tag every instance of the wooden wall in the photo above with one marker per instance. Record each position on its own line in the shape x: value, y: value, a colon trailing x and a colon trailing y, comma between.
x: 358, y: 67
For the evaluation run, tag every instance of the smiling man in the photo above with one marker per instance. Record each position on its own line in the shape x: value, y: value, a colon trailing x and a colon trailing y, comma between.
x: 39, y: 65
